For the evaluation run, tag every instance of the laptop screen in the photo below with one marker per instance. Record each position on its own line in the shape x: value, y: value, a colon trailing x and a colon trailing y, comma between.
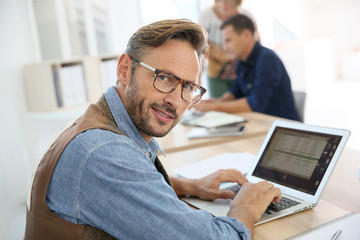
x: 296, y: 158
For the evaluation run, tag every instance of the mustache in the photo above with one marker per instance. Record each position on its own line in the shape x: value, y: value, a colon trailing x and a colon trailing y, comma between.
x: 166, y: 108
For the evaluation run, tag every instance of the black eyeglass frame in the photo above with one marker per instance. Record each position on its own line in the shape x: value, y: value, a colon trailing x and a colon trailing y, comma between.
x: 179, y: 80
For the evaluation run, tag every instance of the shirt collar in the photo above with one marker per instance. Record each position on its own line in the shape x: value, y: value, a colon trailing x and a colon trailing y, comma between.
x: 253, y: 55
x: 126, y: 125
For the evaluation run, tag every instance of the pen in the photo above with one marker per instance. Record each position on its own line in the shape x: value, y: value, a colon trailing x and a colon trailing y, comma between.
x: 336, y: 235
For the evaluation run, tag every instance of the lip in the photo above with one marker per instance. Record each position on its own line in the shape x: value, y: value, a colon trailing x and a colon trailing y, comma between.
x: 163, y: 116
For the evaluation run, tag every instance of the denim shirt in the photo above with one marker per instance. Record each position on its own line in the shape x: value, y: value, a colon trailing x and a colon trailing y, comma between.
x: 106, y: 180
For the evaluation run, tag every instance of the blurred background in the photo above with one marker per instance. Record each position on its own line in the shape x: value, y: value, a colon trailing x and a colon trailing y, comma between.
x: 45, y: 42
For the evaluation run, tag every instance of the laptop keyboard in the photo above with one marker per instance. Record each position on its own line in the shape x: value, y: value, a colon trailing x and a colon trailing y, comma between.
x: 284, y: 203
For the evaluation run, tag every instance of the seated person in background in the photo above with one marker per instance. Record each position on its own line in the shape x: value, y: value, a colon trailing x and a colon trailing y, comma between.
x: 262, y: 83
x: 221, y: 67
x: 101, y: 178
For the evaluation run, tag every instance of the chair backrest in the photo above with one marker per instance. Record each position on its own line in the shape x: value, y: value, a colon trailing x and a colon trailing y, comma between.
x: 300, y: 98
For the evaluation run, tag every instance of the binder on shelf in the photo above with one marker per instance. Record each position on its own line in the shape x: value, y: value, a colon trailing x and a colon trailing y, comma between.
x: 57, y: 86
x: 108, y: 72
x: 72, y: 85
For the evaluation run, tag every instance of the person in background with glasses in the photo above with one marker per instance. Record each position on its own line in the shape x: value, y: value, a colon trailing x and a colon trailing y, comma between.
x: 101, y: 178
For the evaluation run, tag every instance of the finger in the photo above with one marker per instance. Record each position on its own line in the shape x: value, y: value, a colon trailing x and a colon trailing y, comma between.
x: 231, y: 175
x: 277, y: 195
x: 265, y: 185
x: 242, y: 180
x: 238, y: 176
x: 224, y: 194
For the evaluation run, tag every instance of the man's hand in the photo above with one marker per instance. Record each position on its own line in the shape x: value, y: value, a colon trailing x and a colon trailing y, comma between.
x: 208, y: 187
x: 251, y: 202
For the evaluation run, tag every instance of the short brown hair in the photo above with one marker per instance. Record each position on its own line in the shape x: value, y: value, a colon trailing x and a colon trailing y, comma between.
x: 239, y: 23
x: 157, y: 33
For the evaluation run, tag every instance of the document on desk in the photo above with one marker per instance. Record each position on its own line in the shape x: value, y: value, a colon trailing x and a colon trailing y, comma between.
x: 240, y: 161
x: 213, y: 119
x: 228, y: 131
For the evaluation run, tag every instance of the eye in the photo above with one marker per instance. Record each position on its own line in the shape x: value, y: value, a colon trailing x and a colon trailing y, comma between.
x: 188, y: 86
x: 165, y: 78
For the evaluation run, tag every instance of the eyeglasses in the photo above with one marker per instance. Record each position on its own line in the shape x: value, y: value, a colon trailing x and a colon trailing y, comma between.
x: 166, y: 83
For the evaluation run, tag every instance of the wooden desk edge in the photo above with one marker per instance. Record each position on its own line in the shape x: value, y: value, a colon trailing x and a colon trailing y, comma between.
x: 206, y: 144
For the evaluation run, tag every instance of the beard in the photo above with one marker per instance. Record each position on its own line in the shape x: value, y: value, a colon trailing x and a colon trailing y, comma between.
x: 139, y: 112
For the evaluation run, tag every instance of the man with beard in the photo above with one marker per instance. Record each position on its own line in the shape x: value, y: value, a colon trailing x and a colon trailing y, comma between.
x: 101, y: 178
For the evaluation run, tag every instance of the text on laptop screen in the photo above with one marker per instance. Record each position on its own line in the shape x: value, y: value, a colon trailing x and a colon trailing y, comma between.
x: 297, y: 158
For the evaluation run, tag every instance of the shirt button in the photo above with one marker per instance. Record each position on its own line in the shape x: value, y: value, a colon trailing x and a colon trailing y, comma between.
x: 150, y: 155
x: 249, y: 85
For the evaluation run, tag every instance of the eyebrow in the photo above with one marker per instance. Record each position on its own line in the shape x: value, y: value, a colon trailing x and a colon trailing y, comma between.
x: 165, y: 71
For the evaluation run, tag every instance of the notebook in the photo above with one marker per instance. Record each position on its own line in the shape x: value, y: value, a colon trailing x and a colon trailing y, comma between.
x: 296, y: 157
x: 348, y: 224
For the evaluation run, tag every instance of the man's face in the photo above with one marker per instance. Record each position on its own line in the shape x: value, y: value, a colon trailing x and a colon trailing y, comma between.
x: 234, y: 43
x: 155, y: 113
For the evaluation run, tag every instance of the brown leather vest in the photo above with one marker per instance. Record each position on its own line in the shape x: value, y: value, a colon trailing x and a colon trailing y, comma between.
x: 41, y: 222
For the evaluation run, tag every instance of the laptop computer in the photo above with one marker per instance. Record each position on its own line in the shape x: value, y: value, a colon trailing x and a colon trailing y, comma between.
x: 298, y: 158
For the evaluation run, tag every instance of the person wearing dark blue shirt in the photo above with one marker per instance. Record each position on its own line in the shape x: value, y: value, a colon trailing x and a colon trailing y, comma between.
x: 262, y: 83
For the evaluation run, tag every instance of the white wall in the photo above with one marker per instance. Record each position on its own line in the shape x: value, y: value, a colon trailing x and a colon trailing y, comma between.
x: 16, y: 47
x: 324, y: 59
x: 125, y: 20
x: 339, y: 20
x: 313, y: 19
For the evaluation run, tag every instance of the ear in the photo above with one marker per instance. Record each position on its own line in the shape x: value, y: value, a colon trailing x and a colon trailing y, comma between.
x: 123, y: 70
x: 247, y: 33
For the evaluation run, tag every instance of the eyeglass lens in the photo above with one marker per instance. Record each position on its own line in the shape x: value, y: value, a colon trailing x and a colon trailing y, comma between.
x: 166, y: 83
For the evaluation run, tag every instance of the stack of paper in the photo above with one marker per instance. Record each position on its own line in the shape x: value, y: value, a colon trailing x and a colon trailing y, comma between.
x: 239, y: 161
x: 214, y: 119
x: 216, y: 132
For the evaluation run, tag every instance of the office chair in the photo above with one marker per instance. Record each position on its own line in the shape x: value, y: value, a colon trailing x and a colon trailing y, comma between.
x: 300, y: 98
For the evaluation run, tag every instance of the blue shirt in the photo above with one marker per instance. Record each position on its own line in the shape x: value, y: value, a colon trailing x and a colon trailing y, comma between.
x: 263, y: 80
x: 108, y: 181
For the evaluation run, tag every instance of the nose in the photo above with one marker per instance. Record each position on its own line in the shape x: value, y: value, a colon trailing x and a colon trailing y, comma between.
x: 226, y: 47
x: 174, y: 98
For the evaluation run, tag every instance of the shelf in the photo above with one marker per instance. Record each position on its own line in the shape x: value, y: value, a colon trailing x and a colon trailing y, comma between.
x: 54, y: 85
